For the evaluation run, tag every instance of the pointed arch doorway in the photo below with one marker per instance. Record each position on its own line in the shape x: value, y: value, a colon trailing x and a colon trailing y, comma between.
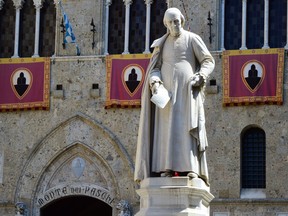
x: 76, y: 206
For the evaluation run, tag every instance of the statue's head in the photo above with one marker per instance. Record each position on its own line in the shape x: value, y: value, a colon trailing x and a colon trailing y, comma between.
x: 174, y: 21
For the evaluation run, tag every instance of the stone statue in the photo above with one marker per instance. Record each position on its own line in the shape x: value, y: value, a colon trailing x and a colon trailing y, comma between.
x: 124, y: 207
x: 173, y: 139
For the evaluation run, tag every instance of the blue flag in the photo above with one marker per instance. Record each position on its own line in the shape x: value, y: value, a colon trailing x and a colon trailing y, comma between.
x: 69, y: 35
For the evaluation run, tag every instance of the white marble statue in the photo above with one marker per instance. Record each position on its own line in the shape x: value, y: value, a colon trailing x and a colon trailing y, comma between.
x: 173, y: 139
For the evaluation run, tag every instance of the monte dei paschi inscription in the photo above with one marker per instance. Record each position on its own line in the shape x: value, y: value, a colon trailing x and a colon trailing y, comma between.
x: 70, y: 190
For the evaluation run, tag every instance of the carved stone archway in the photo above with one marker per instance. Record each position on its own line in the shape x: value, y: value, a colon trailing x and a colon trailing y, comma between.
x: 79, y: 157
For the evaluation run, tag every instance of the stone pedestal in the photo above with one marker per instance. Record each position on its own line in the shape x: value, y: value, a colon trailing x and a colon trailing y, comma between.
x: 177, y: 196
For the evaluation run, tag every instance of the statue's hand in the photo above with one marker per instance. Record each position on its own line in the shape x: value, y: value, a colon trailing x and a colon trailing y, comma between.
x: 155, y: 87
x: 197, y: 80
x: 138, y: 181
x: 154, y: 83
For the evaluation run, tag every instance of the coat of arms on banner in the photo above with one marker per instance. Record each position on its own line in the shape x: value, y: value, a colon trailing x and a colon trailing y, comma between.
x: 24, y: 83
x: 253, y: 73
x: 21, y: 82
x: 132, y: 78
x: 125, y: 76
x: 253, y: 76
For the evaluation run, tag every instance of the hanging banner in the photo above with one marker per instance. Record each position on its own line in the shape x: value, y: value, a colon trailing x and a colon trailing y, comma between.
x: 125, y: 77
x: 24, y: 83
x: 253, y: 76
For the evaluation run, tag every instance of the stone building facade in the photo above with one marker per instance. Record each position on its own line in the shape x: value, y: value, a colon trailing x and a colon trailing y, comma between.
x: 78, y: 149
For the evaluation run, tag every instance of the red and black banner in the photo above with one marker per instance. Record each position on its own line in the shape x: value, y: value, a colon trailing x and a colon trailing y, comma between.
x: 125, y: 77
x: 253, y: 77
x: 24, y: 83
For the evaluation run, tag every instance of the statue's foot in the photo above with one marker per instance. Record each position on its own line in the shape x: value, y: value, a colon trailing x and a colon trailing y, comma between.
x: 167, y: 173
x: 192, y: 175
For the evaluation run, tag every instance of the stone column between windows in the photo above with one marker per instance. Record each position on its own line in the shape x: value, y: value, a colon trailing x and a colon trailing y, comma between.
x: 107, y: 4
x: 222, y: 47
x: 127, y: 22
x: 286, y: 46
x: 266, y: 25
x: 18, y: 7
x: 38, y: 6
x: 147, y: 33
x: 244, y: 19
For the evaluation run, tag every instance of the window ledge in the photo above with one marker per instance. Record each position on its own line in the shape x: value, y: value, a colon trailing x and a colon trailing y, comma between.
x: 253, y: 193
x: 238, y: 201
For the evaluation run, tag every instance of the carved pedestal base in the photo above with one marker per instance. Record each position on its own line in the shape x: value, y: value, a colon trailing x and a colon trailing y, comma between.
x: 177, y: 196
